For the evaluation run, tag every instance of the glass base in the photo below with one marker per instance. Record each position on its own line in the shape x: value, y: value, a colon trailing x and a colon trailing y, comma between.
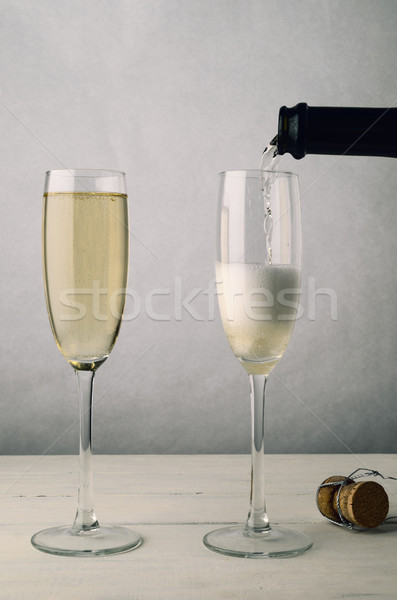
x: 66, y: 541
x: 277, y: 542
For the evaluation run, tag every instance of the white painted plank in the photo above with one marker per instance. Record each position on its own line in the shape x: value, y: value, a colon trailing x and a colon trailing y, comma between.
x: 173, y: 564
x: 173, y: 501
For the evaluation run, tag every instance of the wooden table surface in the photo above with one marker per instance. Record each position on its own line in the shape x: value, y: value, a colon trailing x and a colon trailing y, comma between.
x: 173, y: 501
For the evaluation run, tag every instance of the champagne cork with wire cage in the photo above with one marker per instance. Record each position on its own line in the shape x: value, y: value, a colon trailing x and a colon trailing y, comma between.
x: 364, y: 503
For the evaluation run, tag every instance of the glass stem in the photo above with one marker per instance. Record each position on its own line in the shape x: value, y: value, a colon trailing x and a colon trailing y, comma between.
x: 85, y: 516
x: 257, y: 520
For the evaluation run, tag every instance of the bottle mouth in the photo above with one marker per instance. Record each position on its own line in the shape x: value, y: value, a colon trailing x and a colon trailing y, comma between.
x: 292, y: 126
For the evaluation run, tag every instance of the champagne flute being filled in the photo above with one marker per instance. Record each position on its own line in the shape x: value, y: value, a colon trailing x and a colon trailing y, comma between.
x: 258, y: 279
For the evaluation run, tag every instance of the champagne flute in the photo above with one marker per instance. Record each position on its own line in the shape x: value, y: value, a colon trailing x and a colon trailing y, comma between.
x: 85, y: 261
x: 258, y: 278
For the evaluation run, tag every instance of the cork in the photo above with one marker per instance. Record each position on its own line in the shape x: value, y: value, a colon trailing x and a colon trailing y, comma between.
x: 326, y: 495
x: 365, y: 504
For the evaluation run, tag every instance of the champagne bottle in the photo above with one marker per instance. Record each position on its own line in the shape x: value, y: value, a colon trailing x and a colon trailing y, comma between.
x: 305, y: 129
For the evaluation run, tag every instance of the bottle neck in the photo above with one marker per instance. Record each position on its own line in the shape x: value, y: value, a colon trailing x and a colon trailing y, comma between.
x: 307, y: 129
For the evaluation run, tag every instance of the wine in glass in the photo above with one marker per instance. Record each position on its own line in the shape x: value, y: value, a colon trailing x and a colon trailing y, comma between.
x: 258, y: 278
x: 85, y: 258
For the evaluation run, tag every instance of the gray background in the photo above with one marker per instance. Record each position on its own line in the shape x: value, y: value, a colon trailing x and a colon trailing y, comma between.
x: 172, y: 92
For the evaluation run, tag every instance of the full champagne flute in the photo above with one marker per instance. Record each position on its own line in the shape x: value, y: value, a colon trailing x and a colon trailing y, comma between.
x: 85, y: 261
x: 258, y: 278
